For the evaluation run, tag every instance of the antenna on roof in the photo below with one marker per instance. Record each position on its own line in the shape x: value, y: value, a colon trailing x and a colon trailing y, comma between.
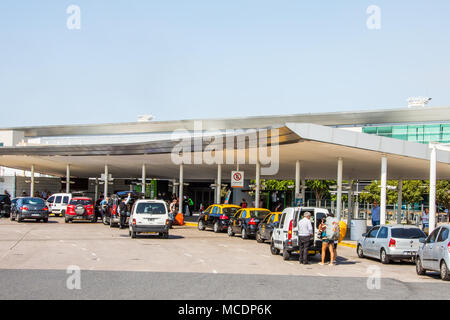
x: 418, y: 101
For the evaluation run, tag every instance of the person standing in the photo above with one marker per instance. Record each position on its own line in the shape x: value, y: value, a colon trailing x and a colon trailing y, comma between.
x: 123, y: 213
x: 305, y: 231
x: 425, y: 219
x: 375, y: 214
x: 243, y: 204
x: 172, y: 212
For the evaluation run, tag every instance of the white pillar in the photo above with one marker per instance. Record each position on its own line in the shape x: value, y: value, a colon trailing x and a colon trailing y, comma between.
x: 399, y: 201
x: 339, y: 188
x: 68, y: 178
x: 105, y: 189
x: 219, y: 183
x: 350, y: 203
x: 180, y: 205
x: 174, y: 187
x: 303, y: 191
x: 32, y: 181
x: 143, y: 179
x: 96, y: 190
x: 258, y: 182
x: 297, y: 178
x: 432, y: 212
x: 383, y: 190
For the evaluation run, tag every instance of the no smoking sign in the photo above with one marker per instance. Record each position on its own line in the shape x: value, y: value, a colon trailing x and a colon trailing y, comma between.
x: 237, y: 179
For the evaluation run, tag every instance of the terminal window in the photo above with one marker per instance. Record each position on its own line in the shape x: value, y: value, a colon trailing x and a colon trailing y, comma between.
x: 416, y: 133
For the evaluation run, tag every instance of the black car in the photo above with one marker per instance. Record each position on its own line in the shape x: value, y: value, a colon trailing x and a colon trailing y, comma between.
x: 217, y: 216
x: 30, y: 208
x: 265, y: 228
x: 246, y: 222
x: 5, y: 205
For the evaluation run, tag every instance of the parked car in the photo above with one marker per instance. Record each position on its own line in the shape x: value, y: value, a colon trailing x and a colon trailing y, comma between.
x: 57, y: 203
x: 80, y: 208
x: 434, y: 253
x: 149, y: 216
x: 5, y: 205
x: 390, y: 242
x: 265, y: 228
x: 30, y: 208
x: 285, y: 233
x: 246, y: 221
x: 217, y: 216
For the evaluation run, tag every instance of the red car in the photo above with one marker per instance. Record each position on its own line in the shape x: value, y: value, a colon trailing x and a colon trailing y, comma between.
x: 80, y: 208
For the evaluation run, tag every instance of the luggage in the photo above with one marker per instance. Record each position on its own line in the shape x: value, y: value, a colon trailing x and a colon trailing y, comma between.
x: 332, y: 228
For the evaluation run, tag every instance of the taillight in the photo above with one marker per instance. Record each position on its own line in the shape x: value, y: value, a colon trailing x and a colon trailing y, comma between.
x: 45, y: 209
x: 448, y: 248
x: 134, y: 221
x: 290, y: 230
x: 167, y: 222
x: 252, y: 221
x: 223, y: 217
x: 23, y: 208
x: 391, y: 243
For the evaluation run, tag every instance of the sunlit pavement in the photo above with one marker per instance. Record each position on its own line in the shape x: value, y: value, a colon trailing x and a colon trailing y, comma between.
x: 194, y: 260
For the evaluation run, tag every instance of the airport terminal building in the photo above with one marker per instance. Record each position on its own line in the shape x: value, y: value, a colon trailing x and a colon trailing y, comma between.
x: 103, y: 158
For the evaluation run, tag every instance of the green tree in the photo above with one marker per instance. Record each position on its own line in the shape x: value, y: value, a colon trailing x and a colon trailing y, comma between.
x: 443, y: 194
x: 321, y: 188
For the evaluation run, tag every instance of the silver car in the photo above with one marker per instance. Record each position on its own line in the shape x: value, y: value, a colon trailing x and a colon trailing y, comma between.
x: 390, y: 242
x: 434, y: 253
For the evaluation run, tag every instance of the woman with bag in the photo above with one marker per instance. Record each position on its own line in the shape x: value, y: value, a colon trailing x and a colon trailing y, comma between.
x: 326, y: 243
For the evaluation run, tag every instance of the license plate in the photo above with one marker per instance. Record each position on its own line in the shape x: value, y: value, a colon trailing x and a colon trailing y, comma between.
x: 409, y: 252
x: 79, y: 218
x: 35, y: 215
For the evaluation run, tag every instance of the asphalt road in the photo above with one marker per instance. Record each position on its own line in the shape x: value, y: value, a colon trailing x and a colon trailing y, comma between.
x: 191, y: 264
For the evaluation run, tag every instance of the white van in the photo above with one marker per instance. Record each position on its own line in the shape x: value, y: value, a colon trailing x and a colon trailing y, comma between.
x: 285, y: 234
x: 57, y: 203
x: 149, y: 216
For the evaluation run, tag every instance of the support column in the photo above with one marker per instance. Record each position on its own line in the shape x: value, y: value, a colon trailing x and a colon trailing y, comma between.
x: 258, y: 183
x: 297, y: 179
x: 174, y: 187
x: 339, y: 189
x: 32, y: 181
x: 399, y: 201
x: 383, y: 190
x: 105, y: 187
x: 432, y: 200
x: 350, y: 203
x: 68, y: 178
x: 303, y: 191
x: 96, y: 190
x: 180, y: 205
x: 143, y: 179
x: 219, y: 183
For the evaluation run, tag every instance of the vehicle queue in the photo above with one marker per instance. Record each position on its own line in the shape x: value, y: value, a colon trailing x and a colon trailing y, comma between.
x: 384, y: 242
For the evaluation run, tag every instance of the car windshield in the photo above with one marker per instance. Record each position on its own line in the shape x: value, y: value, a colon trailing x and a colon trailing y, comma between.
x: 407, y: 233
x: 259, y: 214
x: 83, y: 202
x: 34, y: 201
x: 150, y: 208
x: 229, y: 211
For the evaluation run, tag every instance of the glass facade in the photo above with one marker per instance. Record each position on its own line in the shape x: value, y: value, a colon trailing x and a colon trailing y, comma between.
x: 422, y: 133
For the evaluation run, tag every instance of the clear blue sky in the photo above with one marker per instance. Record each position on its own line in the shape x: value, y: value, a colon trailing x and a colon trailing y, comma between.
x: 181, y: 59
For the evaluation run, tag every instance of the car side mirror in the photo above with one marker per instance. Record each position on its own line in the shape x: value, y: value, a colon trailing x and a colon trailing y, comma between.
x: 422, y: 240
x: 364, y: 234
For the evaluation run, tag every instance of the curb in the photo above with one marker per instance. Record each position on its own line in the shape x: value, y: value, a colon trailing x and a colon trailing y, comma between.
x: 191, y: 224
x: 350, y: 245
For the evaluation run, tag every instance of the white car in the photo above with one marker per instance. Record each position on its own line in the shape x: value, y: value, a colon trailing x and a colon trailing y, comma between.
x: 434, y: 253
x: 149, y: 216
x: 285, y: 234
x: 57, y: 203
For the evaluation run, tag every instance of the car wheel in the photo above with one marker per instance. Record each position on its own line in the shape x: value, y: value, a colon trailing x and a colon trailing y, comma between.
x: 216, y: 227
x: 258, y: 238
x: 286, y: 254
x: 66, y: 220
x: 201, y: 225
x: 133, y: 234
x: 165, y: 235
x: 19, y: 219
x: 63, y: 213
x: 12, y: 217
x: 230, y: 231
x: 419, y: 268
x: 444, y: 271
x: 274, y: 250
x: 244, y: 234
x: 359, y: 251
x: 384, y: 257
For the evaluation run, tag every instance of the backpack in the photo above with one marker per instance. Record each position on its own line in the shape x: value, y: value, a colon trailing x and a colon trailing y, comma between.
x: 332, y: 228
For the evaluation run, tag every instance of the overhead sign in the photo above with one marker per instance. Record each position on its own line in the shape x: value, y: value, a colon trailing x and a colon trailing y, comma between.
x: 237, y: 179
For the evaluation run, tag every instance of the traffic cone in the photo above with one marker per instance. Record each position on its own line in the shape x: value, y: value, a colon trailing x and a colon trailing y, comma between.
x: 179, y: 219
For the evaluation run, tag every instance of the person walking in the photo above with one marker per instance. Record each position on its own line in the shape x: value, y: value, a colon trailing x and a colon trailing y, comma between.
x: 305, y: 231
x: 375, y: 214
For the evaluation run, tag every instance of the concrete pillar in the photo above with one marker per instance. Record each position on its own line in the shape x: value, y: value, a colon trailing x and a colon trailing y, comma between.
x: 399, y: 201
x: 96, y: 190
x: 219, y: 183
x: 303, y: 191
x: 180, y: 205
x: 432, y: 199
x: 383, y: 190
x: 32, y: 181
x: 143, y: 179
x: 339, y: 188
x: 350, y: 203
x: 68, y: 178
x: 105, y: 188
x: 174, y: 187
x: 297, y: 179
x: 258, y: 184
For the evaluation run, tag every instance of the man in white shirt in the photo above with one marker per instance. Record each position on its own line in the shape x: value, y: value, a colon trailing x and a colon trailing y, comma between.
x: 305, y: 231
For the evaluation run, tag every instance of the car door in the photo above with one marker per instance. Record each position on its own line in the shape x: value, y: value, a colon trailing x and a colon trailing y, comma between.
x: 269, y: 225
x: 234, y: 220
x: 380, y: 240
x: 369, y: 242
x: 241, y: 220
x: 428, y: 249
x: 57, y: 204
x: 206, y: 213
x: 440, y: 246
x: 212, y: 216
x: 50, y: 203
x: 277, y: 234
